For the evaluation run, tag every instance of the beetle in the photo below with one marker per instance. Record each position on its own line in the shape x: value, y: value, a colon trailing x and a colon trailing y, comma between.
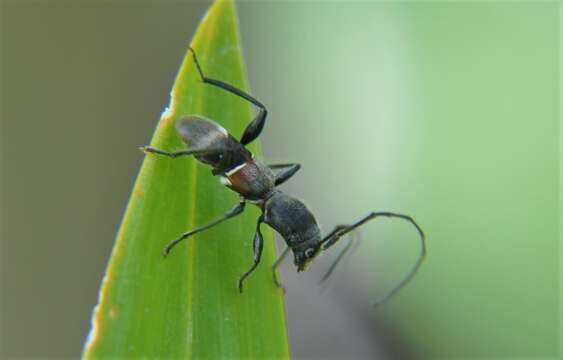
x: 257, y: 183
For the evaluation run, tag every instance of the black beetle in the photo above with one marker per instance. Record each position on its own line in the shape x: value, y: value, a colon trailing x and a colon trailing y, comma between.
x: 256, y: 183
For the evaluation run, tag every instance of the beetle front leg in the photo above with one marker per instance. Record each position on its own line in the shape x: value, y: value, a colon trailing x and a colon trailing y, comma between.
x: 343, y: 252
x: 276, y: 265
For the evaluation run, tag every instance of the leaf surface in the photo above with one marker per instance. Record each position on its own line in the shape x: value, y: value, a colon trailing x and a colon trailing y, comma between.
x: 188, y: 305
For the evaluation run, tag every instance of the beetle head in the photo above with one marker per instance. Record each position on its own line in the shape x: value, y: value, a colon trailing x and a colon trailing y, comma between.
x: 304, y: 256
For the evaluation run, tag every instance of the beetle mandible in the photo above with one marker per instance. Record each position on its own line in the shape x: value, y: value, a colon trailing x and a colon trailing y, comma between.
x: 257, y: 183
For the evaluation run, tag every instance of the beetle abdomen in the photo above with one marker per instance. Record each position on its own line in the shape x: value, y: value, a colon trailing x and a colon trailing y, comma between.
x: 201, y: 133
x: 206, y: 135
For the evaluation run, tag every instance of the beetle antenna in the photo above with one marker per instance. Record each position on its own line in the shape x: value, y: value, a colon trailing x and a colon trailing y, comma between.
x: 337, y: 233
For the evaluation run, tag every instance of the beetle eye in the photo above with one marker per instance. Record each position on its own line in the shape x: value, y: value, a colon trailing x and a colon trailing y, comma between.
x: 309, y: 252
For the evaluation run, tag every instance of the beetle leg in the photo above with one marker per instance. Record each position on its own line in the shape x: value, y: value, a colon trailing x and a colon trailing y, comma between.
x: 258, y: 246
x: 285, y: 175
x: 275, y: 266
x: 173, y: 155
x: 237, y: 210
x: 353, y: 237
x: 254, y: 129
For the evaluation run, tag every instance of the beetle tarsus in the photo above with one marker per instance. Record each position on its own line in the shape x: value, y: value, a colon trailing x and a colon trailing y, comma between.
x: 278, y: 284
x: 165, y: 252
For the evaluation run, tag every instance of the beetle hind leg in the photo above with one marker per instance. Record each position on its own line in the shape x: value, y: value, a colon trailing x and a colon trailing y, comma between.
x: 255, y: 127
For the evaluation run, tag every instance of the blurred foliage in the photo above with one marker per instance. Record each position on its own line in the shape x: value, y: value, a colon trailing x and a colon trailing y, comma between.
x: 449, y: 112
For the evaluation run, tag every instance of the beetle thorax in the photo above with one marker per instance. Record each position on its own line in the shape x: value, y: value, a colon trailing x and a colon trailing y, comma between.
x: 252, y: 179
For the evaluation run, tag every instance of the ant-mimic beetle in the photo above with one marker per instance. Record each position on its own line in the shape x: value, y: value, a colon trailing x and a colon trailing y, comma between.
x: 257, y: 183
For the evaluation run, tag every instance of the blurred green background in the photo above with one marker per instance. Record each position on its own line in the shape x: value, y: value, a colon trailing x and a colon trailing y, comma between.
x: 448, y: 111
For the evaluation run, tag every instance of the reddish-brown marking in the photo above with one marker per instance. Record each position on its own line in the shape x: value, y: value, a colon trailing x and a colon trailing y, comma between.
x: 240, y: 179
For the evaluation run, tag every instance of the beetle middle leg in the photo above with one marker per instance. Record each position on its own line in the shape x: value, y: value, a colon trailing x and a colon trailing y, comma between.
x: 237, y: 210
x: 258, y: 246
x: 284, y: 175
x: 254, y: 129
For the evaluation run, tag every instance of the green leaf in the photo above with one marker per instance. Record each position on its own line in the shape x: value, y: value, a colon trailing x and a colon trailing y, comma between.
x: 188, y: 305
